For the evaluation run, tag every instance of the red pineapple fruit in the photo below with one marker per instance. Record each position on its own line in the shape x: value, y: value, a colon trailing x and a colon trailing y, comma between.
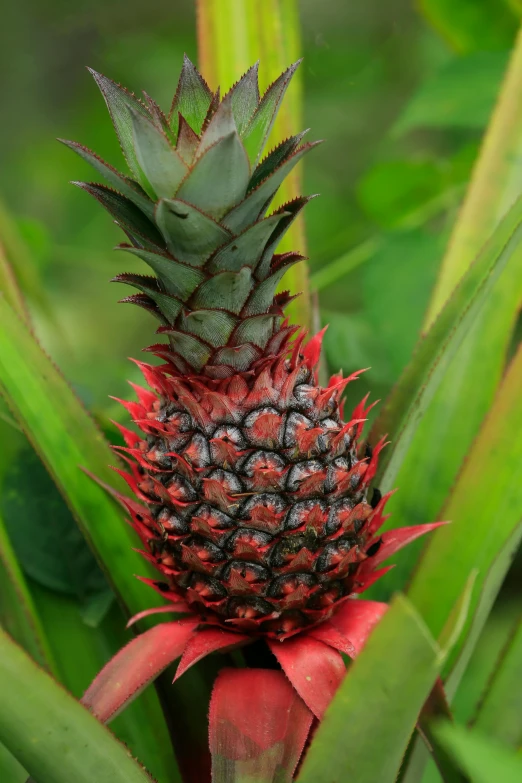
x: 252, y: 491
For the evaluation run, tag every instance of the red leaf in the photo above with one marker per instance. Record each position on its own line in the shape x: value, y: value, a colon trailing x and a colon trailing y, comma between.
x: 332, y: 636
x: 205, y: 642
x: 396, y: 539
x: 258, y: 726
x: 314, y: 669
x: 355, y: 619
x: 135, y: 666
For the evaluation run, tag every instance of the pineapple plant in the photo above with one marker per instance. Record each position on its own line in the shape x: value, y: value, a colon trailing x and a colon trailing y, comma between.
x: 252, y: 491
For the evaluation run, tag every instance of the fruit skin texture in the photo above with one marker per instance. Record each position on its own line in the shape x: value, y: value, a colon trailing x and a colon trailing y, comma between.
x: 258, y: 514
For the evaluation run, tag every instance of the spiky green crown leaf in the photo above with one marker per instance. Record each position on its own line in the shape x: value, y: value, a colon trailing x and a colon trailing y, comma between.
x: 194, y: 212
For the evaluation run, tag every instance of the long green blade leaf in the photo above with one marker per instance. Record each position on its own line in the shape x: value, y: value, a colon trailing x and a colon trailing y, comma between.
x: 500, y: 712
x: 53, y: 736
x: 17, y: 612
x: 367, y: 727
x: 67, y: 439
x: 484, y: 761
x: 485, y: 516
x: 420, y: 381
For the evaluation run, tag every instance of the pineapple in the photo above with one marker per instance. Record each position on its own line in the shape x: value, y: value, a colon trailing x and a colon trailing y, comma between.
x: 253, y: 491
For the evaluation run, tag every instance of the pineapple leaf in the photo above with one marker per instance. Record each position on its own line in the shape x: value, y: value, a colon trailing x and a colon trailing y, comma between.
x: 257, y: 330
x: 66, y: 438
x: 221, y: 124
x: 240, y: 358
x: 376, y: 701
x: 18, y: 614
x: 486, y: 528
x: 189, y: 347
x: 289, y: 213
x: 244, y: 96
x: 192, y: 99
x: 187, y: 141
x: 212, y: 326
x: 259, y: 127
x: 263, y: 295
x: 126, y: 213
x: 481, y: 759
x: 168, y: 305
x: 179, y: 279
x: 48, y: 544
x: 246, y: 249
x: 230, y: 287
x: 159, y: 161
x: 135, y: 666
x: 267, y: 716
x: 118, y: 101
x: 127, y: 187
x: 219, y: 178
x: 258, y: 200
x: 419, y: 382
x: 189, y: 233
x: 32, y: 701
x: 274, y: 159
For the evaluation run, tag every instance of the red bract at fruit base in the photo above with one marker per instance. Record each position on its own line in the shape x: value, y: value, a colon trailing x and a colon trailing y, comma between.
x: 251, y: 489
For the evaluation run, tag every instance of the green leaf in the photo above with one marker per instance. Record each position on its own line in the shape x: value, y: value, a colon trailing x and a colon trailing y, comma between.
x: 159, y: 161
x: 219, y: 178
x: 485, y: 528
x: 408, y: 262
x: 179, y: 279
x: 258, y: 130
x: 67, y: 439
x: 81, y: 652
x: 468, y: 25
x: 51, y: 735
x: 127, y: 214
x: 422, y: 377
x: 500, y: 712
x: 461, y: 94
x: 11, y: 771
x: 45, y: 537
x: 367, y: 726
x: 192, y: 98
x: 18, y: 615
x: 484, y: 761
x: 257, y: 201
x: 124, y: 185
x: 232, y: 287
x: 118, y: 101
x: 190, y: 235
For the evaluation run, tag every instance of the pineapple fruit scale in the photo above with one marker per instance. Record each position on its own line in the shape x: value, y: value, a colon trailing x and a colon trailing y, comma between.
x: 253, y: 490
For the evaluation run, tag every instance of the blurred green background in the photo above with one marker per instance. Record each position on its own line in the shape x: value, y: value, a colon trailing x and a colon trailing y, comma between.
x: 401, y: 103
x: 401, y: 92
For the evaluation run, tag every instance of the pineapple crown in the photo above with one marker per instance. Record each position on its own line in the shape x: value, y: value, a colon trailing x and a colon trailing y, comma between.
x: 194, y: 211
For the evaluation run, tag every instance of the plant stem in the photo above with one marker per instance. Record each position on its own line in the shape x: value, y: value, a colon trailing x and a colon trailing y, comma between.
x: 232, y: 35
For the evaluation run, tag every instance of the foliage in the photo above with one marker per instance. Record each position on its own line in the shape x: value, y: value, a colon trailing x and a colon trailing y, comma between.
x: 419, y: 179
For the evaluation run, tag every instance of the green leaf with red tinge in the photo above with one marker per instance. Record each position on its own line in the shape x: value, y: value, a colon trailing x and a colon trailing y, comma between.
x: 258, y: 727
x: 50, y: 734
x: 376, y: 706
